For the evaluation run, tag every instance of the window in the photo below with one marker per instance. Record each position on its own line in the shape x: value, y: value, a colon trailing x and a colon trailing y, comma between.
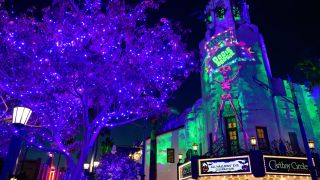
x: 236, y: 13
x: 170, y: 155
x: 262, y: 137
x: 294, y: 142
x: 232, y: 134
x: 220, y: 11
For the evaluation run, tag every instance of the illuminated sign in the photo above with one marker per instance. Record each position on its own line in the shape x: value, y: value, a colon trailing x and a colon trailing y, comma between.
x: 216, y: 40
x: 224, y: 49
x: 286, y: 165
x: 225, y: 166
x: 224, y: 56
x: 185, y: 171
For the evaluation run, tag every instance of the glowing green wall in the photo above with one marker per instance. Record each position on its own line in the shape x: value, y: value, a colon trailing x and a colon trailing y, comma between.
x: 253, y: 103
x: 309, y: 114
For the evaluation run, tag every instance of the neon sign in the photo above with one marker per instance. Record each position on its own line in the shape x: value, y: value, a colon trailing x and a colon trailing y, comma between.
x: 224, y: 56
x: 223, y: 49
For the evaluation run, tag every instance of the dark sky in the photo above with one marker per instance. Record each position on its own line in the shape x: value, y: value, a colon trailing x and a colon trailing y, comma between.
x: 291, y: 30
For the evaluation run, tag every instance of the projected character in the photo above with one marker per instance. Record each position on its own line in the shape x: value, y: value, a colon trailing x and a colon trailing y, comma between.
x: 226, y: 71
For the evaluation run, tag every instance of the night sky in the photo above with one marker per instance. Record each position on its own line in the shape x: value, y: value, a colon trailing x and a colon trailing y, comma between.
x: 291, y: 30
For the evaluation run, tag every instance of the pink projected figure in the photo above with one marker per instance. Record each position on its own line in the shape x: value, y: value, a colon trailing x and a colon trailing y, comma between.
x: 225, y: 71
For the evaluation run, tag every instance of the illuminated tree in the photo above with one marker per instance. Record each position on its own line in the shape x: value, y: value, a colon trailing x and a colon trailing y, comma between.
x: 117, y: 167
x: 6, y: 102
x: 5, y: 138
x: 81, y: 69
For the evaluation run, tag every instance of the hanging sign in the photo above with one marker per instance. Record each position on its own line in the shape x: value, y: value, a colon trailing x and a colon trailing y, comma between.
x: 224, y: 166
x: 286, y: 165
x: 185, y: 171
x: 223, y: 49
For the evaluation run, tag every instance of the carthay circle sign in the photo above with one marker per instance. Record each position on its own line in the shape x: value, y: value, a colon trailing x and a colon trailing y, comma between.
x: 286, y: 165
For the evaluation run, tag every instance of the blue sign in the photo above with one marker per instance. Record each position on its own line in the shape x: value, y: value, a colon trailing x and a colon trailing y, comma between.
x: 225, y: 166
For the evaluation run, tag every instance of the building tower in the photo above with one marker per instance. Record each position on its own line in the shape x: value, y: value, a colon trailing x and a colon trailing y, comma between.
x: 234, y: 106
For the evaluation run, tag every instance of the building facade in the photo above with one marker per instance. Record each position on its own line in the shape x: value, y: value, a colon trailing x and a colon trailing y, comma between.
x: 240, y: 100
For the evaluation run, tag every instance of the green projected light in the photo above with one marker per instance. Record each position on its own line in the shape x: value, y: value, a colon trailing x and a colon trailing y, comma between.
x: 224, y: 56
x: 236, y: 13
x: 163, y: 142
x: 209, y: 19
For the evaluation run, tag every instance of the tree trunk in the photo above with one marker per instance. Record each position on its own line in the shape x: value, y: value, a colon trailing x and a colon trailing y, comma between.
x: 77, y: 171
x: 153, y: 151
x: 70, y: 163
x: 86, y: 147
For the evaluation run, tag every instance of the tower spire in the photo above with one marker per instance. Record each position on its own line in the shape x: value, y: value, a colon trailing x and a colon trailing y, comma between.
x: 223, y: 14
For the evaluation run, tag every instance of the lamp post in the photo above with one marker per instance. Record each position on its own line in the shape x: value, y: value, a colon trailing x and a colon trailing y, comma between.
x: 180, y: 156
x: 311, y: 145
x: 20, y: 118
x: 195, y: 148
x: 303, y: 133
x: 253, y: 142
x: 88, y: 170
x: 96, y: 164
x: 86, y: 166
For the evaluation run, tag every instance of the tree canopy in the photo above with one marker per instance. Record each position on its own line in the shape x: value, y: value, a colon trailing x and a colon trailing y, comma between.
x: 82, y: 67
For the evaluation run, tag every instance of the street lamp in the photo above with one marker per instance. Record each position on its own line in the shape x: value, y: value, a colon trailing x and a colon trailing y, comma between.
x: 86, y: 166
x: 195, y: 146
x: 311, y: 144
x: 20, y: 118
x: 21, y: 115
x: 89, y: 168
x: 87, y: 172
x: 96, y: 164
x: 180, y: 156
x: 253, y: 142
x: 303, y: 133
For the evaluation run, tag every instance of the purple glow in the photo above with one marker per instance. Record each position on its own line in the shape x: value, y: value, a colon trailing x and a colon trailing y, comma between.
x: 117, y: 166
x: 77, y: 60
